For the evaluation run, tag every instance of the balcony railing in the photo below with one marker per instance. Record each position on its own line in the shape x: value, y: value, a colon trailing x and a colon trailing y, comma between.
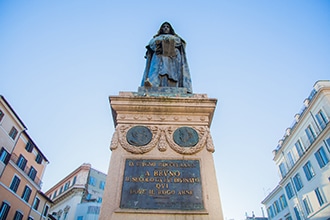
x: 26, y: 170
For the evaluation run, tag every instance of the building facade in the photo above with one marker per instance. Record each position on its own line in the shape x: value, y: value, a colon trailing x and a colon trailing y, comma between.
x: 78, y: 196
x: 22, y: 166
x: 302, y: 157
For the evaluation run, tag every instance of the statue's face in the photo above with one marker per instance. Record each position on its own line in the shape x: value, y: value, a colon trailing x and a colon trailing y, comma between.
x: 166, y: 28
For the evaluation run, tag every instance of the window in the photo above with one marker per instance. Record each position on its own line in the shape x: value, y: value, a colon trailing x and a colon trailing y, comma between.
x: 102, y: 184
x: 283, y: 202
x: 99, y: 200
x: 4, y: 155
x: 30, y: 218
x: 66, y: 186
x: 55, y: 194
x: 74, y: 180
x: 307, y: 206
x: 65, y: 215
x: 13, y: 133
x: 29, y: 147
x: 93, y: 210
x: 319, y: 196
x: 54, y: 214
x: 297, y: 182
x: 21, y: 162
x: 276, y: 207
x: 1, y: 115
x: 291, y: 160
x: 36, y: 203
x: 310, y: 134
x: 328, y: 143
x: 26, y: 194
x: 14, y: 184
x: 32, y: 173
x: 296, y: 212
x: 39, y: 158
x: 61, y: 190
x: 299, y: 148
x: 4, y: 210
x: 308, y: 169
x: 289, y: 190
x: 282, y: 169
x: 59, y: 214
x: 321, y: 157
x: 18, y: 215
x: 80, y: 218
x: 321, y: 119
x: 270, y: 211
x: 92, y: 181
x: 45, y: 213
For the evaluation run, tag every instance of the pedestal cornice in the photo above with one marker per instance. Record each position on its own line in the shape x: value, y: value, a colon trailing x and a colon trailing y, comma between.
x: 129, y: 108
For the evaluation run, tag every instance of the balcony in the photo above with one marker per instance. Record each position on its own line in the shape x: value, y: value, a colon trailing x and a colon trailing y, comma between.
x: 26, y: 170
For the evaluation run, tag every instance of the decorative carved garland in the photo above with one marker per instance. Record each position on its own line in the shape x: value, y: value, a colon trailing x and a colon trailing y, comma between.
x: 209, y: 143
x: 121, y: 136
x: 163, y: 136
x: 114, y: 141
x: 162, y: 145
x: 202, y: 134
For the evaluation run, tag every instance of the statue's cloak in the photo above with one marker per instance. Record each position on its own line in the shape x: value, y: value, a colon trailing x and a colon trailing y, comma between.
x: 173, y: 63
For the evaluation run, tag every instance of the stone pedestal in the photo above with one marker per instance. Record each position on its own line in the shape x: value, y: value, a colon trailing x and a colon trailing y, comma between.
x: 161, y: 165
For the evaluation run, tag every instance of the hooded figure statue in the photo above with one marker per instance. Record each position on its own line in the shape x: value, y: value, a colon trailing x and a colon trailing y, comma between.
x: 166, y: 63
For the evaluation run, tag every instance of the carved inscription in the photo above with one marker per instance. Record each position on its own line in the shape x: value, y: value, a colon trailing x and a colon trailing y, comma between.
x: 162, y: 184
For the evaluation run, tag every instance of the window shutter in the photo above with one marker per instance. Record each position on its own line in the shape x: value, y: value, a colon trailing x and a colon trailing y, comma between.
x: 7, y: 159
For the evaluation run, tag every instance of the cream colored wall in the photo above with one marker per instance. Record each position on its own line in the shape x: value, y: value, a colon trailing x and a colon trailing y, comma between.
x: 38, y: 213
x: 70, y: 202
x: 112, y: 194
x: 162, y: 116
x: 321, y: 101
x: 81, y: 175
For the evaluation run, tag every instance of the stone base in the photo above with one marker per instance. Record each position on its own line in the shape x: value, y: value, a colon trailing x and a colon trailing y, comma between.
x: 161, y: 164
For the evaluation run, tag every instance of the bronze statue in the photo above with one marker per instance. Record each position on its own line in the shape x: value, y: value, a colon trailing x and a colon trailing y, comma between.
x: 166, y: 63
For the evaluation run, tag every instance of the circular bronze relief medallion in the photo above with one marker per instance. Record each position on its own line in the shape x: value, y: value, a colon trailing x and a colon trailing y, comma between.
x: 139, y: 136
x: 185, y: 137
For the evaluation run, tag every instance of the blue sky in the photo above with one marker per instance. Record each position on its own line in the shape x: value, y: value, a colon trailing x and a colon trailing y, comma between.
x: 60, y: 60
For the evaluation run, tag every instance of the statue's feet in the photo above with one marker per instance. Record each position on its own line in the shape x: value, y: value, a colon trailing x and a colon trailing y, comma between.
x: 147, y: 83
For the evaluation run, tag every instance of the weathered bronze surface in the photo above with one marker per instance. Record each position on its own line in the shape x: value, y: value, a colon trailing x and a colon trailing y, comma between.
x: 166, y: 61
x: 162, y: 185
x: 139, y: 136
x: 185, y: 137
